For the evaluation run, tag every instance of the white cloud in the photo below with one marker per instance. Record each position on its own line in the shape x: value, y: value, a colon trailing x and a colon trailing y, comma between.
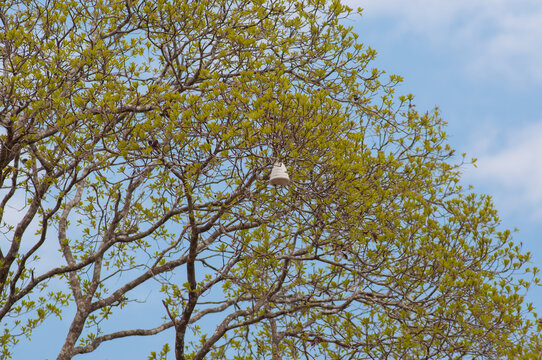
x: 512, y: 170
x: 515, y: 50
x: 493, y: 37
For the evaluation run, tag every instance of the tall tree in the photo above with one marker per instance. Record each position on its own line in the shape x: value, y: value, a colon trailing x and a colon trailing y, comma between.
x: 138, y: 138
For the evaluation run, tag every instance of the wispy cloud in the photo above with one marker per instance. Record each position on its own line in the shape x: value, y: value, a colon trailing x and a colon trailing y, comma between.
x: 513, y: 168
x: 492, y: 37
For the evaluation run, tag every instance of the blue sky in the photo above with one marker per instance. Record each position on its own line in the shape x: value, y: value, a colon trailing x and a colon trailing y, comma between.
x: 480, y: 62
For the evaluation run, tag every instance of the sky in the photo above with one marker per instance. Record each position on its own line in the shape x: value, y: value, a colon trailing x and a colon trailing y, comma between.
x: 480, y: 62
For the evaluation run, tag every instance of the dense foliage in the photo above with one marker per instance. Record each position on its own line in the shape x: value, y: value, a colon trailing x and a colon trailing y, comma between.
x: 137, y: 138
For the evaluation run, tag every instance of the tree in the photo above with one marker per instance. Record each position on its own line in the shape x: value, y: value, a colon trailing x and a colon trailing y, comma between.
x: 138, y: 138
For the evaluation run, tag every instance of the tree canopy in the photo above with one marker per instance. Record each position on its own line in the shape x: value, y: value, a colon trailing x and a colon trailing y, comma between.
x: 137, y: 141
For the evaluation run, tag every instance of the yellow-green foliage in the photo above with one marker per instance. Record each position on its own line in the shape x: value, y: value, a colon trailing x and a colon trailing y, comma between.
x: 137, y: 139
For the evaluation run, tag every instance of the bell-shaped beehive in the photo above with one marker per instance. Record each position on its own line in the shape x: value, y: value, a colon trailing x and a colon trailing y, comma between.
x: 279, y: 176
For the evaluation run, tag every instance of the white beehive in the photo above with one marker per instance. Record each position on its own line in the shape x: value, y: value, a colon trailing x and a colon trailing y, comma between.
x: 279, y: 175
